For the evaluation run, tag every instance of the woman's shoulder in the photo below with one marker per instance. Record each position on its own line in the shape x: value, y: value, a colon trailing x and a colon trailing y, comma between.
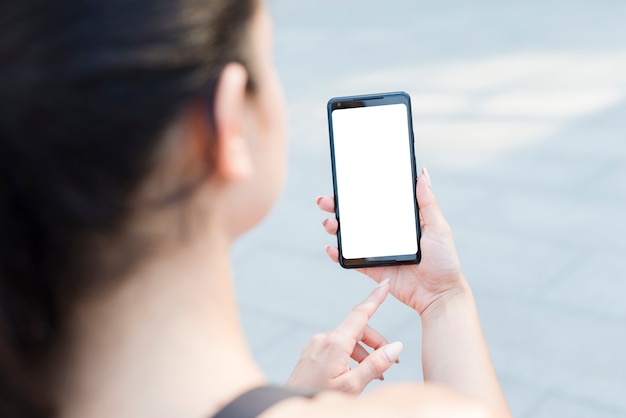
x: 403, y: 400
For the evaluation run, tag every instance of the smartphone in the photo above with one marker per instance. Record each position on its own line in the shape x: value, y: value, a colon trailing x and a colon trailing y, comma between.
x: 374, y: 180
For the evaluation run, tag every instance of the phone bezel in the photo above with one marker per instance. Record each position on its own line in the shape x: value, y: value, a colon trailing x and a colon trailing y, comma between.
x: 380, y: 99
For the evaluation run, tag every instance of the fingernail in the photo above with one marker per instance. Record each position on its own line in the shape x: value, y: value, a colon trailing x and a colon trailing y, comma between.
x: 318, y: 199
x: 325, y: 222
x: 425, y: 173
x: 392, y: 351
x: 381, y: 378
x: 383, y: 283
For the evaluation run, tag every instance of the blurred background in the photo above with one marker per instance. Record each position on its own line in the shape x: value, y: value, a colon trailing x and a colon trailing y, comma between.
x: 520, y: 116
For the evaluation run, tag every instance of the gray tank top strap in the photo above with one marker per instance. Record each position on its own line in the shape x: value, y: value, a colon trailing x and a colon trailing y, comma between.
x: 254, y: 402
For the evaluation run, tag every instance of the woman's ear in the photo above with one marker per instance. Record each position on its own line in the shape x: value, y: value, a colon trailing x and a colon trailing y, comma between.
x: 233, y: 159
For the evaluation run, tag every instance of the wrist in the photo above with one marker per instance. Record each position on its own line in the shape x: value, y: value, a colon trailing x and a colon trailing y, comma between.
x: 458, y: 296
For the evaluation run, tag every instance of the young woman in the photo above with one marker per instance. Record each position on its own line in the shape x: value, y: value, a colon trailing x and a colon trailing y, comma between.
x: 138, y: 139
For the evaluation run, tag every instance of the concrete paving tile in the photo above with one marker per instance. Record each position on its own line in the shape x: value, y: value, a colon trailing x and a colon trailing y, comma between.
x: 553, y: 349
x: 462, y: 201
x: 293, y: 226
x: 521, y: 397
x: 300, y: 287
x: 508, y: 264
x: 612, y: 183
x: 597, y: 136
x: 538, y: 170
x: 597, y: 286
x: 564, y: 220
x: 278, y: 359
x: 263, y: 330
x: 555, y: 406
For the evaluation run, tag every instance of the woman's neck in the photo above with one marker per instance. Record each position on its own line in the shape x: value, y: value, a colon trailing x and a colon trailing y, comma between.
x: 165, y: 343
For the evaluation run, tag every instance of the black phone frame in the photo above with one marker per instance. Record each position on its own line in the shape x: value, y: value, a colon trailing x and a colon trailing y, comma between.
x: 380, y: 99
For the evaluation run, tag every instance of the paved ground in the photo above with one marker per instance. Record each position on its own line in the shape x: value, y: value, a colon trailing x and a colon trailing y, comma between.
x: 520, y: 116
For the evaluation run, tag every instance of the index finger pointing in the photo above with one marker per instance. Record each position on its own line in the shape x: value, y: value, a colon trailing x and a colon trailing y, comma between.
x: 356, y: 321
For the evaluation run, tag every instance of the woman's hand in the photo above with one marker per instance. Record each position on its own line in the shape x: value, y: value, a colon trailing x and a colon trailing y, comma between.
x: 438, y: 275
x: 325, y: 360
x: 454, y: 352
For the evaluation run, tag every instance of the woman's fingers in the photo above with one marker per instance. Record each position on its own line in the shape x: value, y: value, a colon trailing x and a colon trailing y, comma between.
x: 371, y: 368
x: 430, y: 213
x: 355, y: 323
x: 324, y: 360
x: 333, y: 253
x: 359, y: 353
x: 331, y: 225
x: 326, y: 203
x: 373, y: 338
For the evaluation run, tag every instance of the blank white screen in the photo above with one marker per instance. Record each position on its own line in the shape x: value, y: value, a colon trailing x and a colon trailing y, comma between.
x: 374, y: 181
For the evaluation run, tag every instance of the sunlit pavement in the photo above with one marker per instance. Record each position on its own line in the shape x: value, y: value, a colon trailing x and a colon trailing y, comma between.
x: 520, y: 116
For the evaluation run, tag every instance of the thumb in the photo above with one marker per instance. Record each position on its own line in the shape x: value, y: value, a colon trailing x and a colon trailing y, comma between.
x: 373, y: 366
x: 427, y: 202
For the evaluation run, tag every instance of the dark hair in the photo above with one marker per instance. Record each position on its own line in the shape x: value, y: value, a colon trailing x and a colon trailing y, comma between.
x: 87, y: 89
